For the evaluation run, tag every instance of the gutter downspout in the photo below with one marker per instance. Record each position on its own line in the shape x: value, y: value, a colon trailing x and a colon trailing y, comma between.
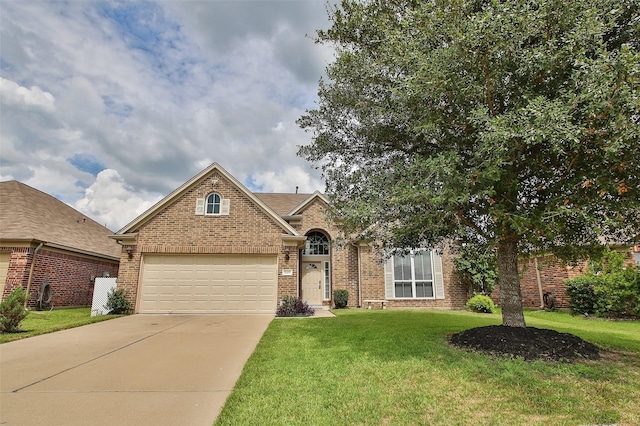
x: 539, y: 281
x: 359, y: 277
x: 33, y: 265
x: 299, y: 271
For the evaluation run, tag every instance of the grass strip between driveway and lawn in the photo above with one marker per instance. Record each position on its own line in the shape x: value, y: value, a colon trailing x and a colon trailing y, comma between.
x: 396, y: 368
x: 42, y: 322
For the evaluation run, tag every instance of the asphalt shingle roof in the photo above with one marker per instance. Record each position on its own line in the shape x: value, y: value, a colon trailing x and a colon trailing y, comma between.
x: 29, y: 214
x: 281, y: 203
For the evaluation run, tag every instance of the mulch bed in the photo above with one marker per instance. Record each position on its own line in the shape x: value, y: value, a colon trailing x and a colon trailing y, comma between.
x: 529, y: 343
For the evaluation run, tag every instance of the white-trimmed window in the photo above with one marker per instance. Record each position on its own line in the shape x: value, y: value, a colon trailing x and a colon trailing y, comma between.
x: 327, y: 281
x: 213, y: 203
x: 413, y: 275
x: 317, y: 244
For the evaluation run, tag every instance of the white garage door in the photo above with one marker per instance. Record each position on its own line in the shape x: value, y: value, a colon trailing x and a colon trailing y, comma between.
x: 208, y: 284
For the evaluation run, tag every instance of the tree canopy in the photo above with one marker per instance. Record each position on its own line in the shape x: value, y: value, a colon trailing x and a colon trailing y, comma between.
x: 514, y: 123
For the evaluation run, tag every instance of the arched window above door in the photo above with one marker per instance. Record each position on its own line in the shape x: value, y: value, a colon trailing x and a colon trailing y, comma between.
x: 317, y: 244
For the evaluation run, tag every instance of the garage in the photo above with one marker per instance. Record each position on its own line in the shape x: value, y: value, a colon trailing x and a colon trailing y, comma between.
x: 208, y: 284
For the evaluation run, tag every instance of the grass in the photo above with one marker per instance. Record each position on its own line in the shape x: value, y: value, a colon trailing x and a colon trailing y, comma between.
x: 42, y: 322
x: 396, y: 368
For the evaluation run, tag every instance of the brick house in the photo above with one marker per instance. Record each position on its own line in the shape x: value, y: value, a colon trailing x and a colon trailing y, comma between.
x: 547, y: 274
x: 213, y: 246
x: 43, y: 241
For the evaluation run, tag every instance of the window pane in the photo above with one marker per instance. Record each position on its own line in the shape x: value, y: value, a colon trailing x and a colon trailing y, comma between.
x: 422, y: 261
x: 213, y: 204
x: 327, y: 287
x: 424, y: 289
x: 317, y: 244
x: 403, y: 289
x: 401, y: 268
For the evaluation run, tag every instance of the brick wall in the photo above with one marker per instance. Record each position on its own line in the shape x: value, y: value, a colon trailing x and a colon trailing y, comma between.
x: 69, y: 275
x: 177, y: 229
x: 371, y: 274
x: 343, y: 259
x: 18, y: 272
x: 552, y: 277
x: 345, y: 273
x: 288, y: 285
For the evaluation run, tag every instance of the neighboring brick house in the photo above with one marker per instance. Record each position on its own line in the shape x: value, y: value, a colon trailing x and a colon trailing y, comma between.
x: 547, y: 274
x: 69, y: 249
x: 540, y: 275
x: 213, y: 246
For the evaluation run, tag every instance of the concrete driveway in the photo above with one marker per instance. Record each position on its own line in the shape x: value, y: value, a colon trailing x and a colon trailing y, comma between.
x: 135, y: 370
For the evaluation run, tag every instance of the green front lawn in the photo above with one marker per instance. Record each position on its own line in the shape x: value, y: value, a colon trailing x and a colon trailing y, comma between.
x: 396, y: 368
x: 42, y: 322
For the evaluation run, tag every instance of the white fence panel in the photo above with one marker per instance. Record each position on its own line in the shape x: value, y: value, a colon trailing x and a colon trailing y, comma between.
x: 101, y: 290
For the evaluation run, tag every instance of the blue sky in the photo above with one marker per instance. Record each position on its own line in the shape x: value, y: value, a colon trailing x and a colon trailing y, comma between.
x: 111, y: 105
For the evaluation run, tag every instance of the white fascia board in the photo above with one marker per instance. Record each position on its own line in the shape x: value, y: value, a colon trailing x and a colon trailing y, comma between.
x: 151, y: 212
x: 308, y: 201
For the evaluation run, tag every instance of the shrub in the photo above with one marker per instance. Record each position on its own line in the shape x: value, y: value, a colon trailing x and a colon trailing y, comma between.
x: 293, y: 307
x: 340, y: 298
x: 117, y: 302
x: 481, y: 303
x: 12, y: 311
x: 618, y: 293
x: 582, y: 298
x: 608, y: 289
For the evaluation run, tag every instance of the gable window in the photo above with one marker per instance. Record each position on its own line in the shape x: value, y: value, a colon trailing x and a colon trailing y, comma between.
x: 317, y: 244
x: 413, y: 275
x: 213, y: 204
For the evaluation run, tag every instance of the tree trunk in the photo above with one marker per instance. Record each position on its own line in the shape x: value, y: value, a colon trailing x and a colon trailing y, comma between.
x: 511, y: 299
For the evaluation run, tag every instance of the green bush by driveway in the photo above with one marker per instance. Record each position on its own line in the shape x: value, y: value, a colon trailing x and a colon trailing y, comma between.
x: 396, y: 368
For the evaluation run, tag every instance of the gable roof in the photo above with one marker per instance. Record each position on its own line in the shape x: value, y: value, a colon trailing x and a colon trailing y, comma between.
x: 281, y: 203
x: 28, y: 214
x: 289, y: 204
x: 315, y: 196
x: 178, y: 192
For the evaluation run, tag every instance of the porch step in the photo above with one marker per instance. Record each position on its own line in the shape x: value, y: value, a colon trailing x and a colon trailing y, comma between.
x: 319, y: 307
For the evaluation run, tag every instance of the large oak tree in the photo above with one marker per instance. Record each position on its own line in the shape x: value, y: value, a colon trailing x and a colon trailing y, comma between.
x: 514, y: 123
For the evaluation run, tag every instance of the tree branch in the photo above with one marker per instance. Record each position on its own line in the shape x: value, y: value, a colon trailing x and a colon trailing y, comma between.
x: 487, y: 76
x: 472, y: 225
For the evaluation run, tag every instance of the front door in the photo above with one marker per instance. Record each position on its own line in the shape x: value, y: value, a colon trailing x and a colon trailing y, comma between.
x: 312, y: 282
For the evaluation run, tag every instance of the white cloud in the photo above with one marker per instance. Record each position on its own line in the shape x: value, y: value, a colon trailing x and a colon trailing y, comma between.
x: 14, y: 95
x: 56, y: 177
x: 4, y: 178
x: 286, y: 180
x: 157, y: 91
x: 110, y: 201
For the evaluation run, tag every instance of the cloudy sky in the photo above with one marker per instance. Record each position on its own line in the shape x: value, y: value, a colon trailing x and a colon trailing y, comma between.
x: 109, y: 106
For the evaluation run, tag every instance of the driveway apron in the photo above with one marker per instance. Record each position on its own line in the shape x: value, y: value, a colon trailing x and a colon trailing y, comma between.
x: 135, y: 370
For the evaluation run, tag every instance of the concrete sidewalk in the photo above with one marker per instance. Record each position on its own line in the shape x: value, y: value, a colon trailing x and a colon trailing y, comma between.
x: 135, y: 370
